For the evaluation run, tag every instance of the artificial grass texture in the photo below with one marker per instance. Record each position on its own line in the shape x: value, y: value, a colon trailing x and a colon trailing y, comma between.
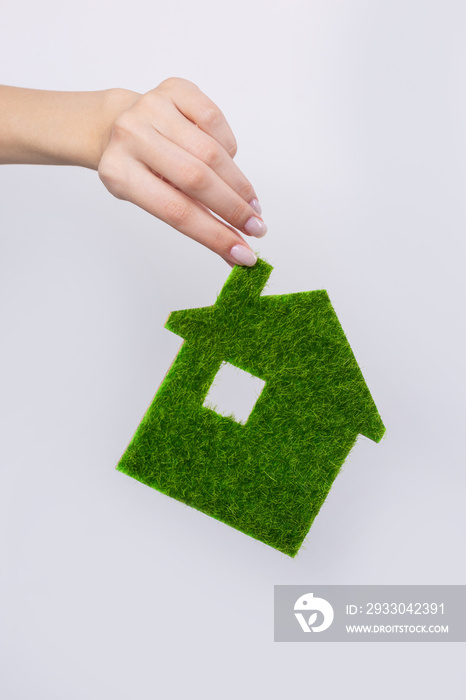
x: 270, y: 476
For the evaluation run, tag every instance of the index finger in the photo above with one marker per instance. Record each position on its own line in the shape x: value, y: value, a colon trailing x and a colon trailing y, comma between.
x: 200, y: 109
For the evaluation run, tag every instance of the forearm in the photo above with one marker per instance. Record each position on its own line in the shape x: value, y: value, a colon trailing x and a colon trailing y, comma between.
x: 58, y: 128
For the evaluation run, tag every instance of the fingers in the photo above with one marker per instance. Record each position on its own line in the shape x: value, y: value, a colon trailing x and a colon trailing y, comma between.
x: 169, y: 122
x: 171, y: 154
x: 159, y: 198
x: 196, y: 179
x: 201, y: 110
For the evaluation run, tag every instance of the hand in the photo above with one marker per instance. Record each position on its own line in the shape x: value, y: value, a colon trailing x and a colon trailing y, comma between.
x: 170, y: 151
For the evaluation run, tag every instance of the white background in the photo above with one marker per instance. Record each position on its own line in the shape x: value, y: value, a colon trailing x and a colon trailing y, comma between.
x: 350, y: 119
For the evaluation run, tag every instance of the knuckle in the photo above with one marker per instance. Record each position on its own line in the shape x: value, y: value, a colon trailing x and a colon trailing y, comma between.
x: 123, y: 126
x: 110, y: 174
x: 193, y: 177
x: 208, y: 153
x: 174, y: 82
x: 154, y: 100
x: 219, y: 242
x: 211, y: 115
x: 232, y: 150
x: 246, y: 191
x: 151, y: 99
x: 238, y: 213
x: 168, y: 82
x: 176, y: 212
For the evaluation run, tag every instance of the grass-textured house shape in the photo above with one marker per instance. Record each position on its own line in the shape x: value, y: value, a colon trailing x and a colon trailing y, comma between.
x: 269, y: 476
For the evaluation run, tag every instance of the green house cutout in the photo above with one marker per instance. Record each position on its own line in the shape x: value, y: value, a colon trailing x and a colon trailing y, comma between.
x: 269, y: 475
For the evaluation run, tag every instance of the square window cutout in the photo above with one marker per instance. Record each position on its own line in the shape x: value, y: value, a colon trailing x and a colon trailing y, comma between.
x: 234, y: 392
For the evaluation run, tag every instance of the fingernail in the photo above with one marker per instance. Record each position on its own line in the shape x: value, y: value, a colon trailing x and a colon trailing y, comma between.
x: 255, y: 227
x: 254, y: 203
x: 243, y: 255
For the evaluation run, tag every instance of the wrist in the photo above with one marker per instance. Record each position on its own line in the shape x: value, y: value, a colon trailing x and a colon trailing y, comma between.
x: 114, y: 102
x: 58, y: 128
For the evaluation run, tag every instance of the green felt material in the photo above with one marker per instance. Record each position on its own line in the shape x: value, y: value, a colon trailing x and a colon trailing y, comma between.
x: 269, y: 476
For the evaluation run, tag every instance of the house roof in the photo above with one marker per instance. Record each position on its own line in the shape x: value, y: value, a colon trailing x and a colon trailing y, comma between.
x: 295, y: 339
